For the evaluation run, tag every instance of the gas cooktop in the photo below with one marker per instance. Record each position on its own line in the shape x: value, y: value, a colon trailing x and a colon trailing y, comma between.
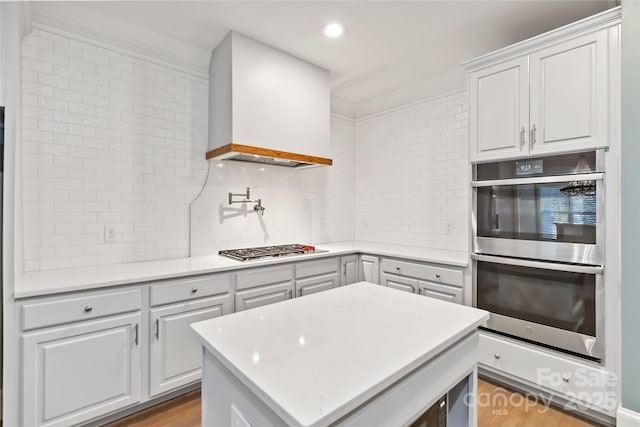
x: 249, y: 254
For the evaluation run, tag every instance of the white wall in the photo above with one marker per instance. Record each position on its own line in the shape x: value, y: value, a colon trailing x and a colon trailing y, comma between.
x: 412, y: 174
x: 109, y: 139
x: 302, y: 206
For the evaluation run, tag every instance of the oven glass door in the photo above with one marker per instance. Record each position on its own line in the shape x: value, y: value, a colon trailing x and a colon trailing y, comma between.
x: 560, y: 305
x: 560, y: 299
x: 536, y: 212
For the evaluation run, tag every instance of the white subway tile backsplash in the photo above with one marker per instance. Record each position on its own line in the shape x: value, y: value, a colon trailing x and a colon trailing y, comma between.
x: 85, y: 165
x: 412, y: 175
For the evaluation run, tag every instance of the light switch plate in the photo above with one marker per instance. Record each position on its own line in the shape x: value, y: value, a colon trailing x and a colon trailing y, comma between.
x: 237, y: 419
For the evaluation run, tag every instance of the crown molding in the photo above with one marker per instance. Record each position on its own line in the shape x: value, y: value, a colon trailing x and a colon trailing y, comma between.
x: 442, y: 84
x: 342, y: 108
x: 113, y: 33
x: 608, y: 18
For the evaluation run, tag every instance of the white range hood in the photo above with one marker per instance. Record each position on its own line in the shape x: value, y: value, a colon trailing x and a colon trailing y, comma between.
x: 266, y: 106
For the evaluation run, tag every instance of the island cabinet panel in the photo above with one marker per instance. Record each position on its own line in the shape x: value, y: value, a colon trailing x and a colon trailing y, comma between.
x: 175, y: 356
x: 370, y: 268
x: 348, y: 270
x: 78, y: 372
x: 192, y: 288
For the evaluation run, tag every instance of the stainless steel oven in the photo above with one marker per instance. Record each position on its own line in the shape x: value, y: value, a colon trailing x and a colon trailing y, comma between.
x: 560, y: 305
x: 546, y: 208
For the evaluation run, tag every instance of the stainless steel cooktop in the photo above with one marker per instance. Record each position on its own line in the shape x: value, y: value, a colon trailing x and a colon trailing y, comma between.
x: 248, y: 254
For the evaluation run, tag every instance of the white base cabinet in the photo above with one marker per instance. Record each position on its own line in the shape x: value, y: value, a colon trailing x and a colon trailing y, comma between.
x: 583, y: 384
x: 75, y: 373
x: 262, y: 286
x: 349, y: 270
x: 175, y: 353
x: 369, y: 270
x: 428, y: 280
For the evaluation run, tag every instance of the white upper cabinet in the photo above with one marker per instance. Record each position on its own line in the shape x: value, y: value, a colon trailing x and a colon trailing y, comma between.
x: 569, y: 95
x: 552, y: 94
x: 499, y: 112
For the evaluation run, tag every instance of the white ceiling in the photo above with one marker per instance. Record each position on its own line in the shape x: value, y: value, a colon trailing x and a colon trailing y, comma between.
x: 387, y: 45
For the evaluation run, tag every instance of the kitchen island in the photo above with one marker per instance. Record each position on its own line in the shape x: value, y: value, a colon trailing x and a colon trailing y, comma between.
x: 361, y: 354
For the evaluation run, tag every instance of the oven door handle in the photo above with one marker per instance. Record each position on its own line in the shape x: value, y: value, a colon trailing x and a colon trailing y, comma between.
x: 587, y: 269
x: 598, y: 176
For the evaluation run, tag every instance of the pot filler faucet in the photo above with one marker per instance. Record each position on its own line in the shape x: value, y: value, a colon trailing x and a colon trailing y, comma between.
x: 258, y: 203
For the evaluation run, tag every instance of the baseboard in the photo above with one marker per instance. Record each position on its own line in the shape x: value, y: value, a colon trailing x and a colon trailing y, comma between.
x: 627, y: 418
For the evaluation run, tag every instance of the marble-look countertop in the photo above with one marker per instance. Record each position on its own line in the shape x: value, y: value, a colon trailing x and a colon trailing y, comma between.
x: 92, y: 277
x: 314, y: 359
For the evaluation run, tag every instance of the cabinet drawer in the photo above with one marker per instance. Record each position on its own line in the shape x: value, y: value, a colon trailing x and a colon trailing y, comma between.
x: 316, y: 268
x: 422, y: 271
x: 263, y: 276
x: 74, y: 309
x: 557, y: 373
x: 188, y: 289
x: 443, y: 292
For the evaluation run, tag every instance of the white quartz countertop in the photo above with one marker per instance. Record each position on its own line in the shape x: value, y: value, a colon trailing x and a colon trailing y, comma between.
x: 92, y: 277
x: 314, y: 359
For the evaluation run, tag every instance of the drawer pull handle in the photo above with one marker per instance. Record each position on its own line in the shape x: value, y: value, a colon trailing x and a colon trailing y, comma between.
x: 565, y: 378
x: 88, y: 308
x: 437, y: 276
x: 497, y: 356
x: 398, y: 268
x: 194, y: 290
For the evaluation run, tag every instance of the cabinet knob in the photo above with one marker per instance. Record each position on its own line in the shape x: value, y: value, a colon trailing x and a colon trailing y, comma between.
x: 565, y: 378
x: 88, y: 308
x: 497, y: 356
x: 398, y: 268
x: 437, y: 276
x: 194, y: 290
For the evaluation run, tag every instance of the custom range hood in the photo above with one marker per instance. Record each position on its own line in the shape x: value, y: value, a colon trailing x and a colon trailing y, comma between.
x: 266, y: 106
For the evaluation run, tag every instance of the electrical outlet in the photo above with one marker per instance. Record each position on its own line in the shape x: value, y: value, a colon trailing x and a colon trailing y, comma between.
x: 237, y: 419
x: 449, y: 228
x: 110, y: 233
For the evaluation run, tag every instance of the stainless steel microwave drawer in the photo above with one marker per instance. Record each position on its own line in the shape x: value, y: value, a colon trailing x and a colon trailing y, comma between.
x: 423, y: 271
x: 68, y: 309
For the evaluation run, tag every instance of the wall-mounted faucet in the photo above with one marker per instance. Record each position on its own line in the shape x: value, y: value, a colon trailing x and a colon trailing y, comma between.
x: 259, y: 207
x: 247, y: 196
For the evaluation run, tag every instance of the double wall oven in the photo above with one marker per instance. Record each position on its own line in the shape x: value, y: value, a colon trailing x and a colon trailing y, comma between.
x: 538, y: 249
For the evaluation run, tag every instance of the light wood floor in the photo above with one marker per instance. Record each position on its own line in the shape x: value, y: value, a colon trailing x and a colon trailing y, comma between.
x: 497, y: 406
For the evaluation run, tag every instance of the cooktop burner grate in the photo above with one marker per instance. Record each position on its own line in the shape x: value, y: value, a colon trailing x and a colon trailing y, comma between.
x: 248, y: 254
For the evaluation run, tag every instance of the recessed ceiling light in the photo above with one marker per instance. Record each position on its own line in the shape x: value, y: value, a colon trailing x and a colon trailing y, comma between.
x: 333, y: 30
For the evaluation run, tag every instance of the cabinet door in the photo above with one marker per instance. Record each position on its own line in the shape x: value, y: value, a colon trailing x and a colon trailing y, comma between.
x: 443, y: 292
x: 370, y: 268
x: 312, y: 285
x: 399, y: 282
x: 569, y: 84
x: 349, y: 265
x: 263, y: 295
x: 175, y: 353
x: 499, y: 111
x: 78, y: 372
